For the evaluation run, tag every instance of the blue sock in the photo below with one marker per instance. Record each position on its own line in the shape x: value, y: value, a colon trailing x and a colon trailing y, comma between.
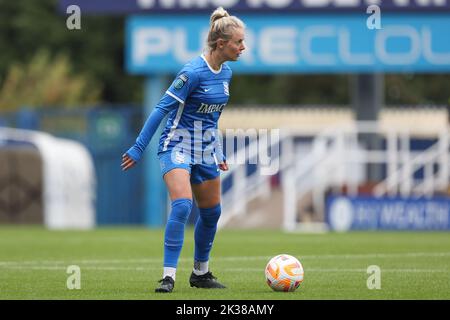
x: 205, y: 230
x: 174, y: 234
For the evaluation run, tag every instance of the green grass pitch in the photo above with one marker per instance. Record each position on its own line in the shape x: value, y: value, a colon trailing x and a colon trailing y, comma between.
x: 126, y: 263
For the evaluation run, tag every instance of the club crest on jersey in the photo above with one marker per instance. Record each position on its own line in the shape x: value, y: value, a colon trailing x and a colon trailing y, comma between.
x: 225, y: 88
x: 180, y: 81
x: 179, y: 157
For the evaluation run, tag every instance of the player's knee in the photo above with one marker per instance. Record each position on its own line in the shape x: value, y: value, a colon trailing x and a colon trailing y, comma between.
x: 210, y: 216
x: 181, y: 208
x: 208, y: 201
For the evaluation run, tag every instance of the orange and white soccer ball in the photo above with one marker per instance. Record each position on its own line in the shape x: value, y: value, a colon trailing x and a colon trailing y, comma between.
x: 284, y: 273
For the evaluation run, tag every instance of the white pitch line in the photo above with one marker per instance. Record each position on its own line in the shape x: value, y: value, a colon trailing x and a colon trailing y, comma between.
x: 240, y: 270
x: 230, y: 258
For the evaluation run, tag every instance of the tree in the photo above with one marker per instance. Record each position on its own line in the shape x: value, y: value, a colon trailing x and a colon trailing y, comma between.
x: 96, y: 51
x: 46, y: 82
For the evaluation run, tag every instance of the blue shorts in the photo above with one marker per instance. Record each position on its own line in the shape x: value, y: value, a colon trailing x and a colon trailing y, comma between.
x: 199, y: 172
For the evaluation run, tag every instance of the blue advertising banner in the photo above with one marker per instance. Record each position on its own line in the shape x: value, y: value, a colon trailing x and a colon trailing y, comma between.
x: 297, y: 44
x: 249, y: 6
x: 368, y: 213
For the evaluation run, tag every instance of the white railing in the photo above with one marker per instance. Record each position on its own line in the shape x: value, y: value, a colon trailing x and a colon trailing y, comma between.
x: 246, y: 187
x: 338, y: 159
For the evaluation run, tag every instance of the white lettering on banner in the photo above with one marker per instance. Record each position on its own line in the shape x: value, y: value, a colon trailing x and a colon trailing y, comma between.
x: 285, y: 46
x: 391, y: 58
x: 347, y: 56
x: 315, y: 32
x: 248, y: 56
x: 337, y: 3
x: 433, y: 57
x: 390, y: 211
x: 280, y: 4
x: 316, y: 3
x: 149, y: 42
x: 438, y: 214
x: 224, y: 3
x: 402, y: 3
x: 186, y: 4
x: 401, y: 215
x: 278, y: 46
x: 168, y: 4
x: 436, y: 3
x: 145, y: 4
x: 341, y: 214
x: 181, y: 50
x: 275, y: 4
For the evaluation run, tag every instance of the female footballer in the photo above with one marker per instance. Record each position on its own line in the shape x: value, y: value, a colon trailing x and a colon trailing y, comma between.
x: 194, y: 103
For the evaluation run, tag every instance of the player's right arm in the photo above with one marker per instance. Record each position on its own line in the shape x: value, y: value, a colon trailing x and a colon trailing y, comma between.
x: 134, y: 154
x: 182, y: 86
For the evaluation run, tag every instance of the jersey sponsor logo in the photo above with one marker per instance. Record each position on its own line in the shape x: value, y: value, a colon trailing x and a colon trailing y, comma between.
x: 209, y: 108
x: 180, y: 81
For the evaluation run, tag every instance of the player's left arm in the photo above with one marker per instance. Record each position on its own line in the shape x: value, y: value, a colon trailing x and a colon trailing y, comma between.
x: 223, y: 166
x: 134, y: 154
x: 219, y: 150
x: 220, y: 155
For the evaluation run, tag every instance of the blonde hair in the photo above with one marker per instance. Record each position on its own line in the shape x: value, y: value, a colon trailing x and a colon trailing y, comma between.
x: 222, y: 26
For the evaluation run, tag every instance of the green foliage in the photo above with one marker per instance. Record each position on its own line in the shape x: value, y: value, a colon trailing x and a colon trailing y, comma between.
x: 97, y: 52
x: 46, y: 82
x: 291, y: 89
x: 415, y: 89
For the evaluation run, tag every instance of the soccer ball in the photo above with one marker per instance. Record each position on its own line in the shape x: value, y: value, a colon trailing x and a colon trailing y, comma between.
x: 284, y: 273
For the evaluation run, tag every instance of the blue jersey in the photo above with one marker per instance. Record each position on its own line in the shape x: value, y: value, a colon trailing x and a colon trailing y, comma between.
x: 201, y: 93
x: 194, y: 103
